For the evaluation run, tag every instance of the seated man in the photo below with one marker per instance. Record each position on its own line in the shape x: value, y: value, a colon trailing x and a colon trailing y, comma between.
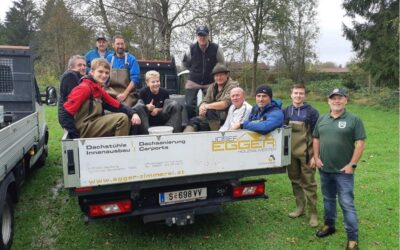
x: 214, y: 107
x: 70, y: 79
x: 82, y: 115
x: 266, y: 115
x: 238, y: 112
x: 158, y: 108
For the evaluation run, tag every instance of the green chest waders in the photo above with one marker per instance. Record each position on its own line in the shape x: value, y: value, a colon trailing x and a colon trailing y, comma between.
x: 301, y: 140
x: 119, y: 80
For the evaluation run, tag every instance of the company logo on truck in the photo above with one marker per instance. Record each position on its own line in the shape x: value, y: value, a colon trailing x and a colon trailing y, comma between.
x: 246, y: 142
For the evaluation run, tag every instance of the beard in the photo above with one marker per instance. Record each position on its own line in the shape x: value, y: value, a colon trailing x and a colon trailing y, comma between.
x: 120, y: 51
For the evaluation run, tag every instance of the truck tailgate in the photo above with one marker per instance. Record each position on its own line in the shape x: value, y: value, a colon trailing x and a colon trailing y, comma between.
x: 118, y: 160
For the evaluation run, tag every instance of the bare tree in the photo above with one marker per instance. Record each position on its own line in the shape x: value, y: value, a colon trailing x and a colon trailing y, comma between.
x: 296, y: 32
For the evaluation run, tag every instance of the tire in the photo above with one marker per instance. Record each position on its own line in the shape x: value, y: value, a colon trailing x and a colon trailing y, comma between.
x: 7, y: 223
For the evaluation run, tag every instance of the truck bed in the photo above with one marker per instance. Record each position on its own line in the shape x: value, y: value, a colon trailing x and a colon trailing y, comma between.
x: 16, y: 140
x: 157, y: 160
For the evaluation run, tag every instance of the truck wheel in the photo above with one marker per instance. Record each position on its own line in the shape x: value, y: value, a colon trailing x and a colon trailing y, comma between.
x: 7, y: 223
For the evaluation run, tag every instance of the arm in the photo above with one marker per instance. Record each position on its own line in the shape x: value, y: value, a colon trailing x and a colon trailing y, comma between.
x: 358, y: 151
x: 228, y: 120
x: 220, y: 56
x: 273, y: 120
x: 186, y: 60
x: 317, y: 161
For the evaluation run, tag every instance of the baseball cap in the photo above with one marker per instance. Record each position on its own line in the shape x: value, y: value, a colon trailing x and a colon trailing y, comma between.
x: 337, y: 91
x: 202, y: 30
x: 101, y: 36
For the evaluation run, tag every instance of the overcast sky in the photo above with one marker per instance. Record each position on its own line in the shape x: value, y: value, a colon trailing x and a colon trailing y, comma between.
x: 331, y: 46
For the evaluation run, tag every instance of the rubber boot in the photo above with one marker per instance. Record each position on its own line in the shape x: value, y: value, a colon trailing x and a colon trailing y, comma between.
x: 189, y: 128
x: 300, y: 203
x: 313, y: 214
x: 214, y: 125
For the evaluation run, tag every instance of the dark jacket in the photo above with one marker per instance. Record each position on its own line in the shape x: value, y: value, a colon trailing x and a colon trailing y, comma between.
x: 304, y: 113
x: 69, y: 80
x: 202, y: 63
x: 265, y: 120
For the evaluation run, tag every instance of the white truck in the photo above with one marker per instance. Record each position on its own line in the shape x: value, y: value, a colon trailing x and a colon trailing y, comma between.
x: 171, y: 177
x: 23, y: 130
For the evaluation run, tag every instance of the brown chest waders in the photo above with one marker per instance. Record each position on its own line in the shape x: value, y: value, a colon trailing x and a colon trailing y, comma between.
x: 119, y: 80
x: 91, y: 121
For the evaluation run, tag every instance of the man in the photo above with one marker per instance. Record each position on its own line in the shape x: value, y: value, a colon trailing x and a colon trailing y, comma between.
x: 302, y: 118
x: 158, y: 108
x: 125, y: 73
x: 200, y: 60
x: 82, y: 115
x: 266, y: 115
x: 214, y: 107
x: 238, y: 112
x: 100, y: 51
x: 338, y: 144
x: 70, y: 79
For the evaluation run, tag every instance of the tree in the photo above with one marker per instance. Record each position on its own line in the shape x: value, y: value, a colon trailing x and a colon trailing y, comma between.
x: 296, y: 32
x: 20, y: 23
x: 255, y: 16
x: 376, y: 40
x: 61, y: 35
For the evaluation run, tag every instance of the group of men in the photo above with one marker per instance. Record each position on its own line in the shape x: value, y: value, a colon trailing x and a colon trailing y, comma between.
x: 332, y: 143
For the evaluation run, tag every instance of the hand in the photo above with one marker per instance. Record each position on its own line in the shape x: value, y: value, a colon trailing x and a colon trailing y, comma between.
x: 150, y: 107
x: 203, y: 109
x: 136, y: 120
x: 121, y: 97
x: 312, y: 163
x: 155, y: 111
x: 348, y: 169
x: 235, y: 126
x: 318, y: 163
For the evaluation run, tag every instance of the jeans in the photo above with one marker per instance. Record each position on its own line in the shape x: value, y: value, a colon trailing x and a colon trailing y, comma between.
x: 342, y: 185
x: 191, y: 101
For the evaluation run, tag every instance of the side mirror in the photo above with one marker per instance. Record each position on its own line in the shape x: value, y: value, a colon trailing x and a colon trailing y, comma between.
x: 51, y: 96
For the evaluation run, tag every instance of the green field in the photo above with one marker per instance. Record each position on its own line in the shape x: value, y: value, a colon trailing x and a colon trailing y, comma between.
x: 48, y: 218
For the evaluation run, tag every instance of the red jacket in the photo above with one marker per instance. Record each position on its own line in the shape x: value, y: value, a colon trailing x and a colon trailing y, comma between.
x: 82, y: 92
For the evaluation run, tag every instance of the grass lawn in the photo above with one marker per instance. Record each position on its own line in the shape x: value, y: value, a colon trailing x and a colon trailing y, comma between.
x: 48, y: 218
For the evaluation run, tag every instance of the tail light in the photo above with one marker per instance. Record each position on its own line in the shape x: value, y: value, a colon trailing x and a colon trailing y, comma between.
x: 111, y: 208
x: 248, y: 190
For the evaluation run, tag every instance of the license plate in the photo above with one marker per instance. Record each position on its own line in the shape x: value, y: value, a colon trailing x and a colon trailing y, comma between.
x: 180, y: 196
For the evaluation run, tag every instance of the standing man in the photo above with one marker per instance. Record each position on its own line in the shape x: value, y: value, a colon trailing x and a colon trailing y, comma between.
x: 302, y: 118
x: 214, y: 108
x: 100, y: 51
x: 266, y: 115
x: 125, y: 73
x: 200, y: 61
x: 238, y: 112
x: 70, y: 79
x: 338, y: 144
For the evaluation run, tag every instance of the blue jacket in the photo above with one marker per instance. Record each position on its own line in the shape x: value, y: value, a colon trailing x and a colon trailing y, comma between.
x: 93, y: 54
x: 132, y: 66
x: 265, y: 120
